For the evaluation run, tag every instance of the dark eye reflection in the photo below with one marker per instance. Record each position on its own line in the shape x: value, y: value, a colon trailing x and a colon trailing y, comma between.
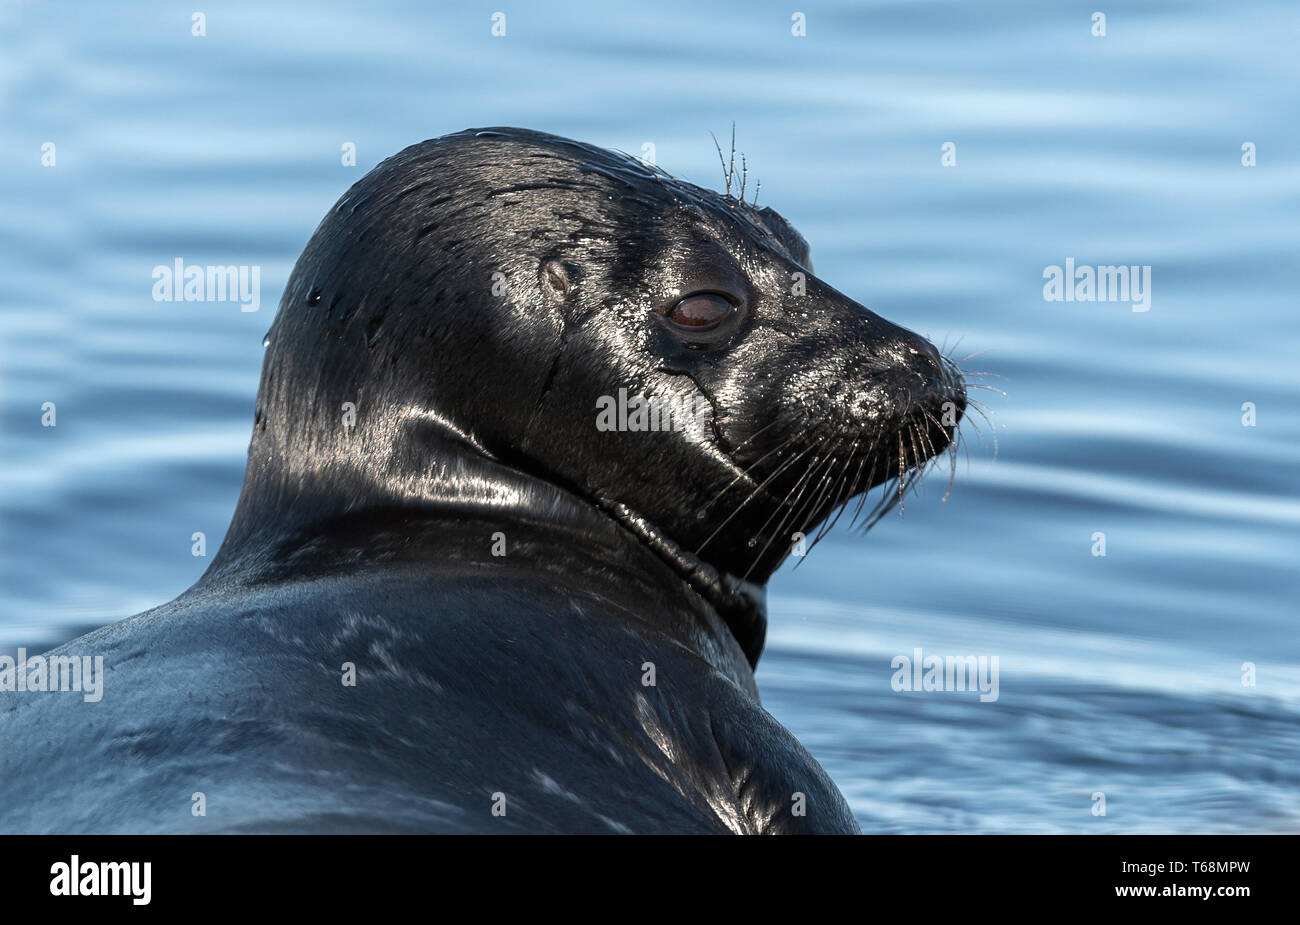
x: 701, y: 311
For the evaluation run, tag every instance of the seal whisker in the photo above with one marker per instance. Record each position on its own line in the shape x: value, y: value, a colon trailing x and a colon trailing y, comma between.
x: 800, y: 485
x: 902, y: 469
x: 826, y: 481
x: 862, y: 499
x: 728, y: 170
x: 806, y: 482
x: 892, y: 496
x: 721, y: 160
x: 974, y: 404
x: 845, y: 493
x: 789, y: 506
x: 912, y: 440
x: 743, y: 443
x: 980, y: 408
x: 965, y: 446
x: 842, y: 482
x: 855, y: 487
x: 876, y: 460
x: 752, y: 494
x: 950, y: 451
x: 952, y: 466
x: 731, y: 170
x: 884, y: 503
x: 926, y: 443
x: 933, y: 462
x: 744, y: 473
x: 932, y: 454
x: 979, y: 432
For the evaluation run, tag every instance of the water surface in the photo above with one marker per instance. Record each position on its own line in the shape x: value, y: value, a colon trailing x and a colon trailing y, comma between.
x: 1119, y: 674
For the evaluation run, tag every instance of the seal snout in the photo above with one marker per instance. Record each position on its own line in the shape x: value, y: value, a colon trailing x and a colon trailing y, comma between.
x: 927, y: 402
x: 940, y: 391
x: 906, y: 400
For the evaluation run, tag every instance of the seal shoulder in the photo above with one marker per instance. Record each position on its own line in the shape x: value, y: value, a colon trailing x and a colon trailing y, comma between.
x: 246, y: 700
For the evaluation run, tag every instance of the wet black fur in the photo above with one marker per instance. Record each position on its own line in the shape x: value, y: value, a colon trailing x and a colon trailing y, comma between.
x: 475, y: 401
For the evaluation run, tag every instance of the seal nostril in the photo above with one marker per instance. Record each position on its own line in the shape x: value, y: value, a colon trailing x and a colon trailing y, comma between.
x: 932, y: 356
x: 929, y: 392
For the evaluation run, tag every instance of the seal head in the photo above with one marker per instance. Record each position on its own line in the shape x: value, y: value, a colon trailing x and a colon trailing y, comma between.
x: 505, y: 319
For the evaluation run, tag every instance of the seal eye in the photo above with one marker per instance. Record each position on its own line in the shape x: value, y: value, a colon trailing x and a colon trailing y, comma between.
x: 701, y: 311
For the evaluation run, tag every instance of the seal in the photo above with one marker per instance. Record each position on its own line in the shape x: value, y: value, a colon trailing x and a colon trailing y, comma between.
x: 536, y: 424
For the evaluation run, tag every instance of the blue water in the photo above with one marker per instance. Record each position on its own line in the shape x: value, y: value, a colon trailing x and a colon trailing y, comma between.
x: 1119, y: 674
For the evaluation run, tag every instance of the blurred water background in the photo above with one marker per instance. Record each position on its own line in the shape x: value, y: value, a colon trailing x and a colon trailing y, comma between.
x: 1119, y: 675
